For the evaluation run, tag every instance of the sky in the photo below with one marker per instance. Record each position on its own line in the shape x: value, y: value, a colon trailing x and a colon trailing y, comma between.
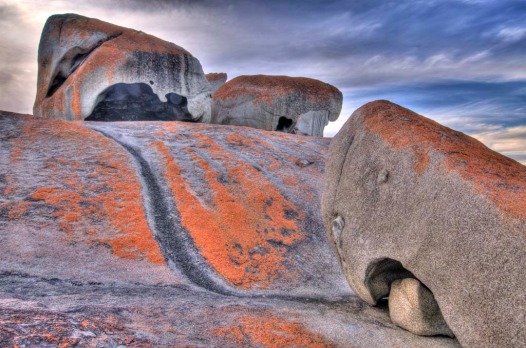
x: 459, y: 62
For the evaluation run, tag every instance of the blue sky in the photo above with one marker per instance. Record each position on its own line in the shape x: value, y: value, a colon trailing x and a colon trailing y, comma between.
x: 460, y: 62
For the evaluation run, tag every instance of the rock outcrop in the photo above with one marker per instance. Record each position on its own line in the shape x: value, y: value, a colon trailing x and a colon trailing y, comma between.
x: 413, y: 307
x: 408, y: 198
x: 171, y: 233
x: 216, y: 80
x: 277, y: 103
x: 93, y: 70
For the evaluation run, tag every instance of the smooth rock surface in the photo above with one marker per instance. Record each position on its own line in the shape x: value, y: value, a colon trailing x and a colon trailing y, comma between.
x: 216, y: 80
x: 162, y: 234
x: 288, y: 104
x: 413, y: 307
x: 87, y: 68
x: 405, y: 196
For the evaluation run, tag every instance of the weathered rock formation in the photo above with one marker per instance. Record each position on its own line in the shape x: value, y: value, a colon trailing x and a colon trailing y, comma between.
x: 165, y: 234
x: 277, y: 103
x: 93, y: 70
x: 216, y: 80
x: 414, y: 308
x: 408, y: 198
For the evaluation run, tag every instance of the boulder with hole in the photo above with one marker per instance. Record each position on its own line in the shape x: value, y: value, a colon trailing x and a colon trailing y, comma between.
x: 406, y: 197
x: 92, y: 70
x: 277, y: 103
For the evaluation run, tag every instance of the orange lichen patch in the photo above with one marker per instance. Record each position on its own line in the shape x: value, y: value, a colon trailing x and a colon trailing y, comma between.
x: 216, y: 76
x: 265, y: 88
x: 8, y: 190
x: 290, y: 181
x: 237, y: 139
x: 245, y: 232
x: 109, y: 203
x: 501, y: 179
x: 265, y: 329
x: 170, y: 127
x: 15, y: 210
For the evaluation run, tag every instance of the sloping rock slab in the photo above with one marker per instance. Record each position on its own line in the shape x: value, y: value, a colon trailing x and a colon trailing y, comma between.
x: 163, y: 234
x: 418, y: 199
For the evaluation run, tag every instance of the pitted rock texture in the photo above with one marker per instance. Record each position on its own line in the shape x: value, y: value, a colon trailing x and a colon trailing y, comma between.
x: 216, y: 80
x: 162, y: 234
x: 89, y: 69
x: 288, y: 104
x: 417, y: 199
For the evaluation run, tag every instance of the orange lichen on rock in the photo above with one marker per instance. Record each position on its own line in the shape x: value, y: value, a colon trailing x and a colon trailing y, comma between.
x: 112, y: 206
x: 265, y: 88
x: 15, y: 210
x: 501, y: 179
x: 244, y: 232
x: 265, y: 329
x: 69, y: 89
x: 216, y: 76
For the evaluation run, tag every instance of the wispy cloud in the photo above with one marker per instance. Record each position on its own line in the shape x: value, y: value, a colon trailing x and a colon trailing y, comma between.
x: 512, y: 34
x: 508, y: 141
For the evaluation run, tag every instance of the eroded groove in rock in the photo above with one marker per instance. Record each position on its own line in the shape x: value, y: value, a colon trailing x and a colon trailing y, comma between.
x: 80, y: 265
x: 71, y: 61
x: 245, y: 222
x: 177, y: 247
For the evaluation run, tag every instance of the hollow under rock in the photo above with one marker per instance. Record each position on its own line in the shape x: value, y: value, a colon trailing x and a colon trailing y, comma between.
x: 138, y: 102
x: 285, y: 124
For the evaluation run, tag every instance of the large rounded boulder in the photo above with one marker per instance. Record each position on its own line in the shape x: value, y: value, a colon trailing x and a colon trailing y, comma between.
x: 92, y: 70
x: 277, y: 103
x: 406, y: 197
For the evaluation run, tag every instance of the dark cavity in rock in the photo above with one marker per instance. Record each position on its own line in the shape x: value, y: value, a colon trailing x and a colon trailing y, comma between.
x: 284, y: 124
x: 138, y: 102
x: 382, y: 273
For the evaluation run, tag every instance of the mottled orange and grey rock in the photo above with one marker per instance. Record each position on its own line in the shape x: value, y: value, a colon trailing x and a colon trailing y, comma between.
x: 88, y: 68
x: 288, y: 104
x: 406, y: 197
x: 156, y: 234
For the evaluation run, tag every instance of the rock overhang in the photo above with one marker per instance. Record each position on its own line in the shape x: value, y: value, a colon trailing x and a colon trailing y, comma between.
x: 283, y: 103
x: 80, y: 58
x: 406, y: 197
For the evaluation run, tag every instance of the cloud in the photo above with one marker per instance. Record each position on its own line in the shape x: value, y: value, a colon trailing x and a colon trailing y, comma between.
x: 460, y: 62
x: 509, y: 141
x: 494, y: 112
x: 512, y: 34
